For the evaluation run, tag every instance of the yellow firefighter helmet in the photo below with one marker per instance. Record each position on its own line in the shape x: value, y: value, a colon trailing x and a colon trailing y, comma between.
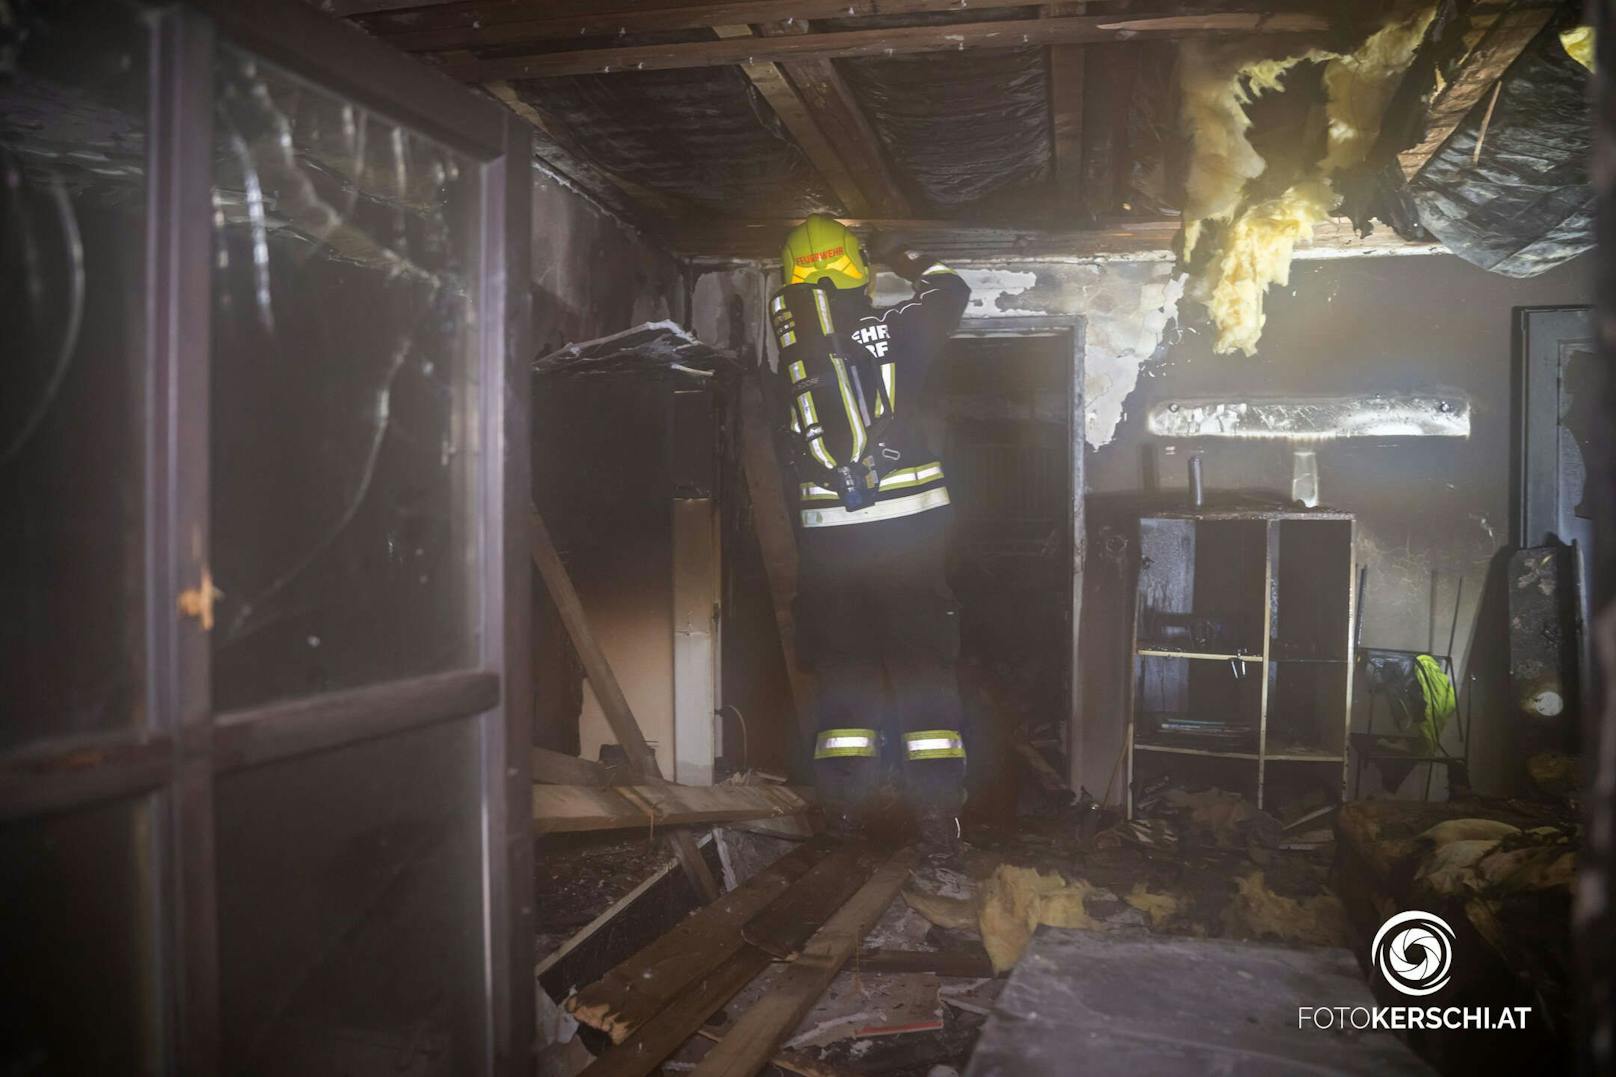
x: 823, y: 248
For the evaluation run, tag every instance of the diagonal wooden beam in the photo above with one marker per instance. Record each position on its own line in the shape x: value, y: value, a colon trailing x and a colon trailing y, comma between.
x: 804, y: 126
x: 819, y: 110
x: 893, y: 41
x: 1486, y: 64
x: 609, y: 694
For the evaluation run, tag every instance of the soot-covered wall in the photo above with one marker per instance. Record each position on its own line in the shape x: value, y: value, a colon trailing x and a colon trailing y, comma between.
x: 1431, y: 511
x: 599, y: 470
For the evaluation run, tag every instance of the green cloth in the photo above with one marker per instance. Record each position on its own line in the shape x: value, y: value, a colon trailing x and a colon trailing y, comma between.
x: 1440, y: 702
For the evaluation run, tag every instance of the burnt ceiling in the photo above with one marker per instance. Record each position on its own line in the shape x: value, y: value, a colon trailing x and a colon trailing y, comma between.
x: 996, y: 126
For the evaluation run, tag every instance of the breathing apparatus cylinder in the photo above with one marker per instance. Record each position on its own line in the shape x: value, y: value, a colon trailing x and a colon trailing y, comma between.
x: 837, y: 422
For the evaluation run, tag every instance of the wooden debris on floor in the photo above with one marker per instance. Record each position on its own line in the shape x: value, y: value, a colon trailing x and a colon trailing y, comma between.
x: 660, y: 997
x: 748, y: 1046
x: 1502, y: 873
x: 644, y: 985
x: 622, y: 807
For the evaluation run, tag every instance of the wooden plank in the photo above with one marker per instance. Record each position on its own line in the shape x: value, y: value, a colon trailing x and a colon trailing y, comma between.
x: 883, y: 42
x: 826, y: 96
x: 1486, y: 64
x: 804, y: 127
x: 643, y: 1051
x: 567, y: 808
x: 645, y: 984
x: 760, y: 1031
x: 760, y: 239
x: 957, y: 240
x: 781, y: 930
x: 612, y: 703
x: 645, y: 1048
x: 557, y: 768
x: 599, y: 671
x: 490, y: 23
x: 765, y: 485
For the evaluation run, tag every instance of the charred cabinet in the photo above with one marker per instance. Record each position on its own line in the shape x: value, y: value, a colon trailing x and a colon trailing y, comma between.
x: 264, y: 783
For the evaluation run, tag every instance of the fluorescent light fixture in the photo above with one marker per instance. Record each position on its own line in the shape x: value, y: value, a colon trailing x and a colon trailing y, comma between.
x: 1314, y: 419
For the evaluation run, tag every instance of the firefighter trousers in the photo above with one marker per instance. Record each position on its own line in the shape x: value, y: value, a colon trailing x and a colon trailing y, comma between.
x: 876, y: 620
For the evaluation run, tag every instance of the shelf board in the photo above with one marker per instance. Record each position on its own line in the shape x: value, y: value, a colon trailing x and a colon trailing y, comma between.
x: 1152, y: 652
x: 1312, y: 661
x: 1305, y: 755
x: 1140, y: 746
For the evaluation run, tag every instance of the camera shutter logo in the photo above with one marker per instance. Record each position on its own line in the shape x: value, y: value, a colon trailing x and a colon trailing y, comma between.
x: 1414, y: 952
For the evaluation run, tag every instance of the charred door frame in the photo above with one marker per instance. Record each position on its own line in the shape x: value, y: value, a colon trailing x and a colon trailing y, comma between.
x: 1071, y: 328
x: 184, y: 745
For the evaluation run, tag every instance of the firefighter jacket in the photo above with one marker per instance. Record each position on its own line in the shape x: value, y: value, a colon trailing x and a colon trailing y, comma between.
x: 899, y: 345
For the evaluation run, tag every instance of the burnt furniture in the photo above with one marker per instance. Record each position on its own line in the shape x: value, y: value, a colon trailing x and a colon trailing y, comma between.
x: 1242, y: 653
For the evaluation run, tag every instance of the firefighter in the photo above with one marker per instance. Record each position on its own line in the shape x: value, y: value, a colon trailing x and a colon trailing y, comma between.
x: 874, y: 611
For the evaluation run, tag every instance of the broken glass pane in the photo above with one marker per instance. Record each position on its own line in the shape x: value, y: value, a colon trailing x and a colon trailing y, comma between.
x: 72, y: 288
x: 344, y: 541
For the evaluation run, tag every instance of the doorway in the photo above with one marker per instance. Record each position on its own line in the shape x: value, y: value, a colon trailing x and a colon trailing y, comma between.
x: 1002, y: 402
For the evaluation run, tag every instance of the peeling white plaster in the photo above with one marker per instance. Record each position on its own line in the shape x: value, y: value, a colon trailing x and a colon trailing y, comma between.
x: 1126, y: 307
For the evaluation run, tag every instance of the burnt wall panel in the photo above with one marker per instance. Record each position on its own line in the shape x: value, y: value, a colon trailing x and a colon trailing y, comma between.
x: 593, y: 276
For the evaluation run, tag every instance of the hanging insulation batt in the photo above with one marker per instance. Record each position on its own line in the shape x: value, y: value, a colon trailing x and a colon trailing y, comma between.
x: 1256, y: 238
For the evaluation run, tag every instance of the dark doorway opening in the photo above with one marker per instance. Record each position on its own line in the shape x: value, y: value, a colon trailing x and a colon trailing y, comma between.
x: 1002, y: 409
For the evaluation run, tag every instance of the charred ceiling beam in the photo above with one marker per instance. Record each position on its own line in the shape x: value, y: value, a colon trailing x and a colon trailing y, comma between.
x: 1505, y: 40
x: 750, y: 240
x: 826, y: 123
x: 834, y: 132
x: 490, y: 23
x: 893, y: 41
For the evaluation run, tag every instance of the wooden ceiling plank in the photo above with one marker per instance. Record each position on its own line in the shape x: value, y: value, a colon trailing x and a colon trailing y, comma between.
x: 831, y: 102
x: 883, y: 42
x: 760, y: 239
x: 803, y: 126
x: 350, y: 8
x: 827, y: 96
x: 1486, y: 64
x: 501, y: 22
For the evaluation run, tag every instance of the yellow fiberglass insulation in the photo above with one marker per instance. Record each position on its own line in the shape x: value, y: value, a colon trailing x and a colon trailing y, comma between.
x: 1255, y: 245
